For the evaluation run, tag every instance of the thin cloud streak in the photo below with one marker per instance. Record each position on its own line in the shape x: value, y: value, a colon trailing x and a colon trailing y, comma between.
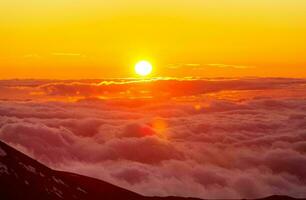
x: 231, y: 66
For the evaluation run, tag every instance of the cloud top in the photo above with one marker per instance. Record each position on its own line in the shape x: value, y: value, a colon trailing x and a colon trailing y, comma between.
x: 242, y: 138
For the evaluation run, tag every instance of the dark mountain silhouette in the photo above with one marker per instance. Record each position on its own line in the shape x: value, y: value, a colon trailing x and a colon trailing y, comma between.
x: 22, y: 178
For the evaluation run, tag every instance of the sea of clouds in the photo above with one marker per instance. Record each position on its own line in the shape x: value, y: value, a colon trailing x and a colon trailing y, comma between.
x: 221, y: 138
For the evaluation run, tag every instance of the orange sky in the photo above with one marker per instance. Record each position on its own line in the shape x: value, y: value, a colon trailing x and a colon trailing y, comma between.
x: 100, y: 39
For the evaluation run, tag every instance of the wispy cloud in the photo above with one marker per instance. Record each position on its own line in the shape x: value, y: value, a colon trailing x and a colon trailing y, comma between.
x: 180, y: 65
x: 33, y: 55
x: 68, y: 54
x: 193, y: 65
x: 230, y: 66
x: 197, y: 66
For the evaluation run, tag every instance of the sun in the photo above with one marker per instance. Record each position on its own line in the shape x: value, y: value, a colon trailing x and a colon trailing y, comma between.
x: 143, y: 68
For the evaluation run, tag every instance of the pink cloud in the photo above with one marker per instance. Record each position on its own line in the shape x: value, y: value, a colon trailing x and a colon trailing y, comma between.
x: 226, y: 149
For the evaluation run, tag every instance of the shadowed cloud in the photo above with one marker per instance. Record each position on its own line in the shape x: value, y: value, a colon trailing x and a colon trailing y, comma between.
x: 203, y: 146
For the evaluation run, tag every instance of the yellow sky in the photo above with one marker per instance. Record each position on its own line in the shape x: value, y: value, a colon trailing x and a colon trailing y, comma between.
x: 101, y: 39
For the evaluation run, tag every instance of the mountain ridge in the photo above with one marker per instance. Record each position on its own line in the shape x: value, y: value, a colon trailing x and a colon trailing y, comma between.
x: 23, y: 178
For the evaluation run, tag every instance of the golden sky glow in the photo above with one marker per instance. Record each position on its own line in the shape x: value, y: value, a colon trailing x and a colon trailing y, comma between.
x: 101, y: 39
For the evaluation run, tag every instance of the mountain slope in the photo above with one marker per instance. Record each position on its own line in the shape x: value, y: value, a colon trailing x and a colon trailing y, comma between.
x: 22, y: 178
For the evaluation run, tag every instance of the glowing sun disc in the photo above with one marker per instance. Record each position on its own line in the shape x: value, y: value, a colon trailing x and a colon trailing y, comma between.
x: 143, y: 68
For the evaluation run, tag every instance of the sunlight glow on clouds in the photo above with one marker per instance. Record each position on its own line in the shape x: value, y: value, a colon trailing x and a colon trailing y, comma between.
x: 242, y: 139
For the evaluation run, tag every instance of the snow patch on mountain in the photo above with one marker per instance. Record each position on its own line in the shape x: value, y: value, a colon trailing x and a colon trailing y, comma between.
x: 28, y: 167
x: 57, y: 192
x: 2, y: 153
x: 81, y: 190
x: 3, y: 169
x: 58, y: 181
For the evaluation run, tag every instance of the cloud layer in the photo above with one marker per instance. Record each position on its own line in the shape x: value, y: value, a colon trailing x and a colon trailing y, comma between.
x: 242, y: 139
